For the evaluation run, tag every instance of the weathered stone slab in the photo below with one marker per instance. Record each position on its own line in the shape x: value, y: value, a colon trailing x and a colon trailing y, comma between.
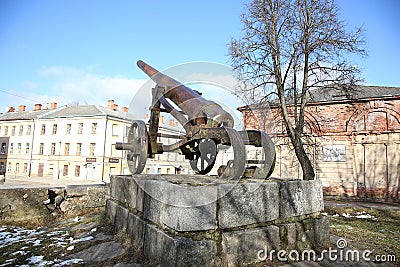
x: 99, y: 252
x: 124, y: 189
x: 248, y: 203
x: 168, y: 250
x: 111, y: 210
x: 288, y: 236
x: 136, y: 229
x: 121, y: 218
x: 242, y: 247
x: 300, y: 197
x: 180, y: 207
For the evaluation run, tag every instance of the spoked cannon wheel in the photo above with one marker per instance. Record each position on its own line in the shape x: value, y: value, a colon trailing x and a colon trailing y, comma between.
x: 138, y: 146
x: 235, y: 167
x: 204, y: 160
x: 261, y: 139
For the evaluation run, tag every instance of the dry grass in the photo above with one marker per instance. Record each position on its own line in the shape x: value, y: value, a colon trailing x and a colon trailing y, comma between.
x: 380, y: 233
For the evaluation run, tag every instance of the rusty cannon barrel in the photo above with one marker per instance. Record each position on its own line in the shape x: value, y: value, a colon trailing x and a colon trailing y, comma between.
x: 191, y: 103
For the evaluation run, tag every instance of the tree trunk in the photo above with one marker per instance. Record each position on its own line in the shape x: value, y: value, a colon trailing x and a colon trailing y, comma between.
x: 304, y: 160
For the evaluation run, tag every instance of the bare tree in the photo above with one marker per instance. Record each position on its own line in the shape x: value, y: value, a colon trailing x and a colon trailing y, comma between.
x: 290, y: 47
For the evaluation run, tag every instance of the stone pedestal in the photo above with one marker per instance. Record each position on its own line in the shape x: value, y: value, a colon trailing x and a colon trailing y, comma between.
x: 202, y: 221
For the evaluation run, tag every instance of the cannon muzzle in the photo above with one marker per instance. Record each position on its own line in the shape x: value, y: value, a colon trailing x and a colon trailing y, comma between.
x: 190, y: 102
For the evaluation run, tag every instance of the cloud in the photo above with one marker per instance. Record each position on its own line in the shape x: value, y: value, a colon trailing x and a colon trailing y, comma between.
x: 66, y: 85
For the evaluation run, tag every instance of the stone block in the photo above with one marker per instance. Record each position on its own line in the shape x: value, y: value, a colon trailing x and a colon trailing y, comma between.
x: 300, y: 198
x: 136, y: 228
x: 141, y: 183
x: 124, y: 189
x: 180, y: 207
x: 121, y: 218
x: 321, y: 237
x: 96, y: 196
x: 248, y: 203
x: 288, y: 236
x: 168, y: 250
x: 242, y: 247
x: 111, y: 210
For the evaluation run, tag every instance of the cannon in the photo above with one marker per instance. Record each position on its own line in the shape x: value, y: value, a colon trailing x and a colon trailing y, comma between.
x: 207, y: 127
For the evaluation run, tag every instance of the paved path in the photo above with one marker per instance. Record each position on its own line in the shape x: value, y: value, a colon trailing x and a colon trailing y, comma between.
x: 13, y: 181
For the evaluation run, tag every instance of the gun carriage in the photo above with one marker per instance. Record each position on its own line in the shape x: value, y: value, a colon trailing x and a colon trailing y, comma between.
x: 207, y: 126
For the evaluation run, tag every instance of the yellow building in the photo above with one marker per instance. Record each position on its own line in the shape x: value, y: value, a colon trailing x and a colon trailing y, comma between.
x: 75, y: 142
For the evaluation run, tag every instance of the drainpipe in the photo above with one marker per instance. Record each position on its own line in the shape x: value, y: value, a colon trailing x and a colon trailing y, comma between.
x: 31, y: 155
x: 104, y: 149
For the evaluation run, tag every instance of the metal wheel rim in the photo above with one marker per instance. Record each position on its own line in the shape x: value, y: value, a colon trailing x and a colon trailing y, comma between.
x: 137, y: 156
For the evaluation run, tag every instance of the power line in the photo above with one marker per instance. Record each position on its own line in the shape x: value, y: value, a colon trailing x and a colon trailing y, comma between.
x: 18, y: 95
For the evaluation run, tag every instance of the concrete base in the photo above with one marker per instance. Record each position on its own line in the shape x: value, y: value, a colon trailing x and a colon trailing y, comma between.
x: 199, y: 220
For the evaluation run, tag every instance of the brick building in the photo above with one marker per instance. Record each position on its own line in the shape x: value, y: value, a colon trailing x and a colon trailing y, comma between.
x: 353, y: 140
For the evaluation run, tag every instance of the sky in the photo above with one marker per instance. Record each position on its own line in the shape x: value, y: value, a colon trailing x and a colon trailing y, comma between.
x: 73, y: 51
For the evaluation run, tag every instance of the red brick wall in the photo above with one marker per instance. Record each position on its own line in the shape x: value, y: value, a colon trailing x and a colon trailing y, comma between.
x: 368, y: 128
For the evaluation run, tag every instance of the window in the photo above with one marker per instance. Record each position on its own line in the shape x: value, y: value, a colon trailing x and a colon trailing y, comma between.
x: 19, y: 148
x: 113, y: 150
x: 27, y: 148
x: 115, y: 129
x: 80, y: 128
x: 53, y: 149
x: 66, y: 149
x: 159, y: 170
x: 65, y: 170
x: 2, y: 166
x: 78, y: 149
x: 9, y: 167
x: 28, y: 130
x: 68, y: 130
x: 77, y: 171
x: 17, y: 167
x: 43, y: 130
x: 41, y: 148
x: 3, y: 148
x: 168, y: 170
x: 94, y: 127
x: 51, y: 169
x: 11, y: 148
x: 5, y: 130
x: 92, y: 149
x: 54, y: 129
x: 21, y: 129
x: 25, y: 167
x: 13, y: 131
x: 127, y: 128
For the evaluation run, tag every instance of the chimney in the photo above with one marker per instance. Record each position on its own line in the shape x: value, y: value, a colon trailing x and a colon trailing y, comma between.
x: 110, y: 104
x: 37, y: 107
x: 124, y: 109
x: 53, y: 105
x: 161, y: 119
x: 21, y: 108
x: 171, y: 122
x: 11, y: 109
x: 115, y: 107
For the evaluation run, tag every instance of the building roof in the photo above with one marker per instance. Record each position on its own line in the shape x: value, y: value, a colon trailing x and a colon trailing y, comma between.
x: 358, y: 93
x: 22, y: 115
x: 66, y: 112
x: 334, y: 94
